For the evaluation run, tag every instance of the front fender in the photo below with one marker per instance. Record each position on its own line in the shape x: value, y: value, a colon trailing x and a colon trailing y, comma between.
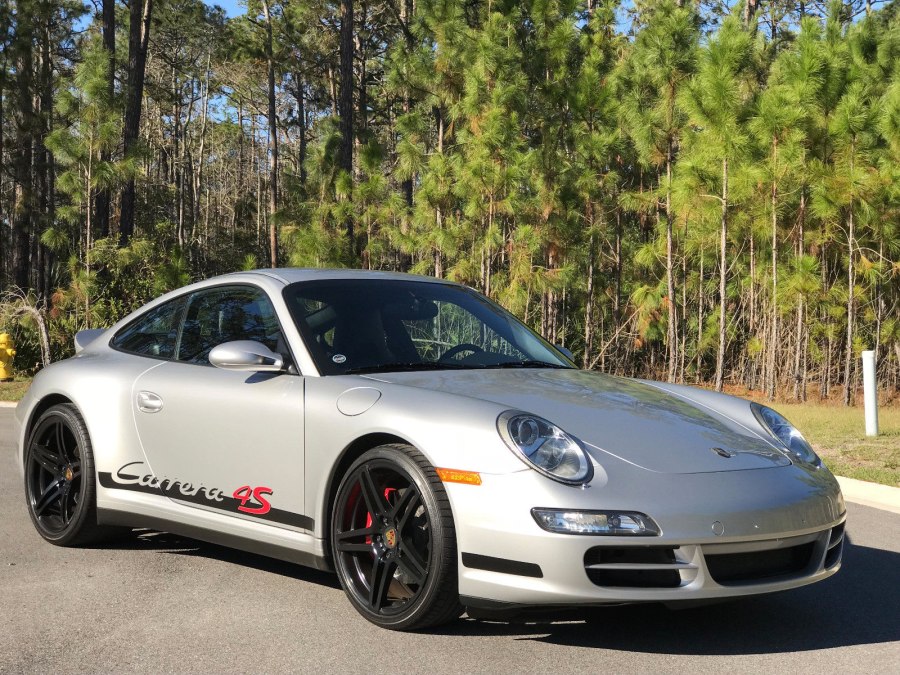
x: 452, y: 431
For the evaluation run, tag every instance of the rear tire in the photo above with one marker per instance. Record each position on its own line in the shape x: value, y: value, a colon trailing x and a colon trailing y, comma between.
x: 393, y: 540
x: 60, y: 487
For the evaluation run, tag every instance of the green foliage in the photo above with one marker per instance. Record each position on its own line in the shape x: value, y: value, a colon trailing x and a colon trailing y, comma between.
x: 534, y: 150
x: 93, y: 129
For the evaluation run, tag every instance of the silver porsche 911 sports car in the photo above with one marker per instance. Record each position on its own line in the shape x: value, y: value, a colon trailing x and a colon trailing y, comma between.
x: 417, y: 439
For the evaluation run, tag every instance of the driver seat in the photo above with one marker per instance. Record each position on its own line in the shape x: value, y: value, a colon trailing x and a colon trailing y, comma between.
x: 361, y: 338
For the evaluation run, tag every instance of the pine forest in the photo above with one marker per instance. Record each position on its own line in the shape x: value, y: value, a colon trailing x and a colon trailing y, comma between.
x: 700, y: 191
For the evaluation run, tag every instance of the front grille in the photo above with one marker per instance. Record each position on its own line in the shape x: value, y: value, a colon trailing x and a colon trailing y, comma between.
x: 635, y: 567
x: 835, y: 546
x: 736, y: 568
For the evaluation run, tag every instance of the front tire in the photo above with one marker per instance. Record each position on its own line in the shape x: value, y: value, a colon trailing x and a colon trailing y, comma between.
x: 393, y: 540
x: 60, y: 489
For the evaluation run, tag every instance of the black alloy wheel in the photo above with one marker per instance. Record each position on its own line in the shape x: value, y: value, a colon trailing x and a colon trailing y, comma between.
x: 393, y: 541
x: 59, y: 478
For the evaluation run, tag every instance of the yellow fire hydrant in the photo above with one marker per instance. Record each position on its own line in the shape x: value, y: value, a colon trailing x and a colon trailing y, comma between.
x: 7, y: 352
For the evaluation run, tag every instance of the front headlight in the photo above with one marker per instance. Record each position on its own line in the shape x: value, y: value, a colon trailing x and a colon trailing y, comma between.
x: 784, y: 431
x: 545, y: 447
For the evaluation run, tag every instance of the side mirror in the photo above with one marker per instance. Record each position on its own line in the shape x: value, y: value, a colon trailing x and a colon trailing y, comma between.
x: 246, y: 356
x: 565, y: 352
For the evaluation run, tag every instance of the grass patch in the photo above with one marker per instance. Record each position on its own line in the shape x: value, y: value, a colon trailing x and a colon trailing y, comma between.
x: 15, y: 390
x: 839, y: 436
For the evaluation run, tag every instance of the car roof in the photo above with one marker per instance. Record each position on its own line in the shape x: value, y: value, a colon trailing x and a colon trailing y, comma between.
x: 289, y: 275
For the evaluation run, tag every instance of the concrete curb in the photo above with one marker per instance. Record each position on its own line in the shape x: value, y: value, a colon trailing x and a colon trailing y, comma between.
x: 8, y: 404
x: 875, y: 495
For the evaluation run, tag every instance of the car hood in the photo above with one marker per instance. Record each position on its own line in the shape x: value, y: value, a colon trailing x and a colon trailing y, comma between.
x: 630, y: 419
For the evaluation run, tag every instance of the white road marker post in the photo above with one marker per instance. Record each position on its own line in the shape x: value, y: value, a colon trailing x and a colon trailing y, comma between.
x: 870, y: 393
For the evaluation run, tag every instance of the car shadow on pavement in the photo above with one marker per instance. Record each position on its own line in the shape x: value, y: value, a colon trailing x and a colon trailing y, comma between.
x: 153, y: 540
x: 857, y: 606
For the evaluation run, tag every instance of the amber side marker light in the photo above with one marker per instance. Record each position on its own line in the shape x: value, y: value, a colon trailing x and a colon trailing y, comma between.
x: 457, y: 476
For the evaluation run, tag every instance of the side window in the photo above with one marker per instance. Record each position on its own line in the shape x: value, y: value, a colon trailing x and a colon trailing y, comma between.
x: 152, y: 334
x: 221, y: 315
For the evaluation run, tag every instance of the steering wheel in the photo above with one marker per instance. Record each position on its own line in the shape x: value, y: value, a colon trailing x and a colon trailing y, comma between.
x: 464, y: 347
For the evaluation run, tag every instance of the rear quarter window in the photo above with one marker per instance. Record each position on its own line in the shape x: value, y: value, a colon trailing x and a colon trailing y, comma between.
x: 154, y: 333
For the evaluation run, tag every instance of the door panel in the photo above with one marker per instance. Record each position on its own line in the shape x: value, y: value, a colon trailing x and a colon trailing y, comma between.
x: 225, y: 440
x: 212, y: 438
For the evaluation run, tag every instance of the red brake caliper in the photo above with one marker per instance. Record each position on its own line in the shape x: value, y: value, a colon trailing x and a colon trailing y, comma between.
x: 387, y: 497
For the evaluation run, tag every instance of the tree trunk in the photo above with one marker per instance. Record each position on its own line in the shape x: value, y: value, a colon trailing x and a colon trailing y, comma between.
x: 240, y: 166
x: 198, y: 169
x: 672, y: 333
x: 589, y: 299
x: 178, y: 157
x: 44, y: 335
x: 682, y: 356
x: 851, y: 304
x: 258, y: 174
x: 88, y: 231
x: 102, y: 202
x: 345, y: 111
x: 723, y: 274
x: 798, y: 350
x: 750, y: 7
x: 487, y: 247
x: 752, y: 246
x: 801, y: 219
x: 3, y: 67
x: 879, y: 308
x: 44, y: 163
x: 300, y: 97
x: 773, y: 345
x: 700, y: 301
x: 406, y: 11
x: 332, y: 91
x: 22, y: 164
x: 439, y: 213
x: 138, y: 40
x: 804, y: 368
x: 361, y: 122
x: 273, y: 139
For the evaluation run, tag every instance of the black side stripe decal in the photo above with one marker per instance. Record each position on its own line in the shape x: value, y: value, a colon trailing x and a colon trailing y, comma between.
x: 221, y: 502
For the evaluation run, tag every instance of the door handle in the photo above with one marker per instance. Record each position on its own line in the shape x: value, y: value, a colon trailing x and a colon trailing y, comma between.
x: 149, y: 402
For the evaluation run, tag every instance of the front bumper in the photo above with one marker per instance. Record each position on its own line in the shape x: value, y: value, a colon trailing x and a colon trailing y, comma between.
x: 723, y: 535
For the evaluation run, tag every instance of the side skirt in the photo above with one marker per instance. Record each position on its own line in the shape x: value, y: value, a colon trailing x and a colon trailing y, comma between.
x: 126, y: 519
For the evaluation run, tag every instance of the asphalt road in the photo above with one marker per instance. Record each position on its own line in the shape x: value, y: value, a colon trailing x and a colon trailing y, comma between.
x: 159, y: 603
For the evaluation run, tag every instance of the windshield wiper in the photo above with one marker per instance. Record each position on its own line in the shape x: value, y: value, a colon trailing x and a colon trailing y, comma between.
x: 527, y: 364
x: 404, y: 366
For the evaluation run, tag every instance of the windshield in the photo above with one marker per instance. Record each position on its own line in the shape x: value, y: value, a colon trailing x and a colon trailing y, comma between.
x: 383, y: 325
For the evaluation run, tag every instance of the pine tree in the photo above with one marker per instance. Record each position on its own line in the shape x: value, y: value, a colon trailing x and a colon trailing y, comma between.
x: 662, y: 61
x: 26, y: 126
x: 799, y: 76
x: 140, y: 13
x: 91, y: 133
x: 717, y: 102
x: 775, y: 128
x: 596, y: 141
x: 491, y: 155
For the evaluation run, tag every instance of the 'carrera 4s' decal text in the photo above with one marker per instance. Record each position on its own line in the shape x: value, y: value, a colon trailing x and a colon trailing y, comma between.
x: 125, y: 479
x: 255, y: 495
x: 246, y: 499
